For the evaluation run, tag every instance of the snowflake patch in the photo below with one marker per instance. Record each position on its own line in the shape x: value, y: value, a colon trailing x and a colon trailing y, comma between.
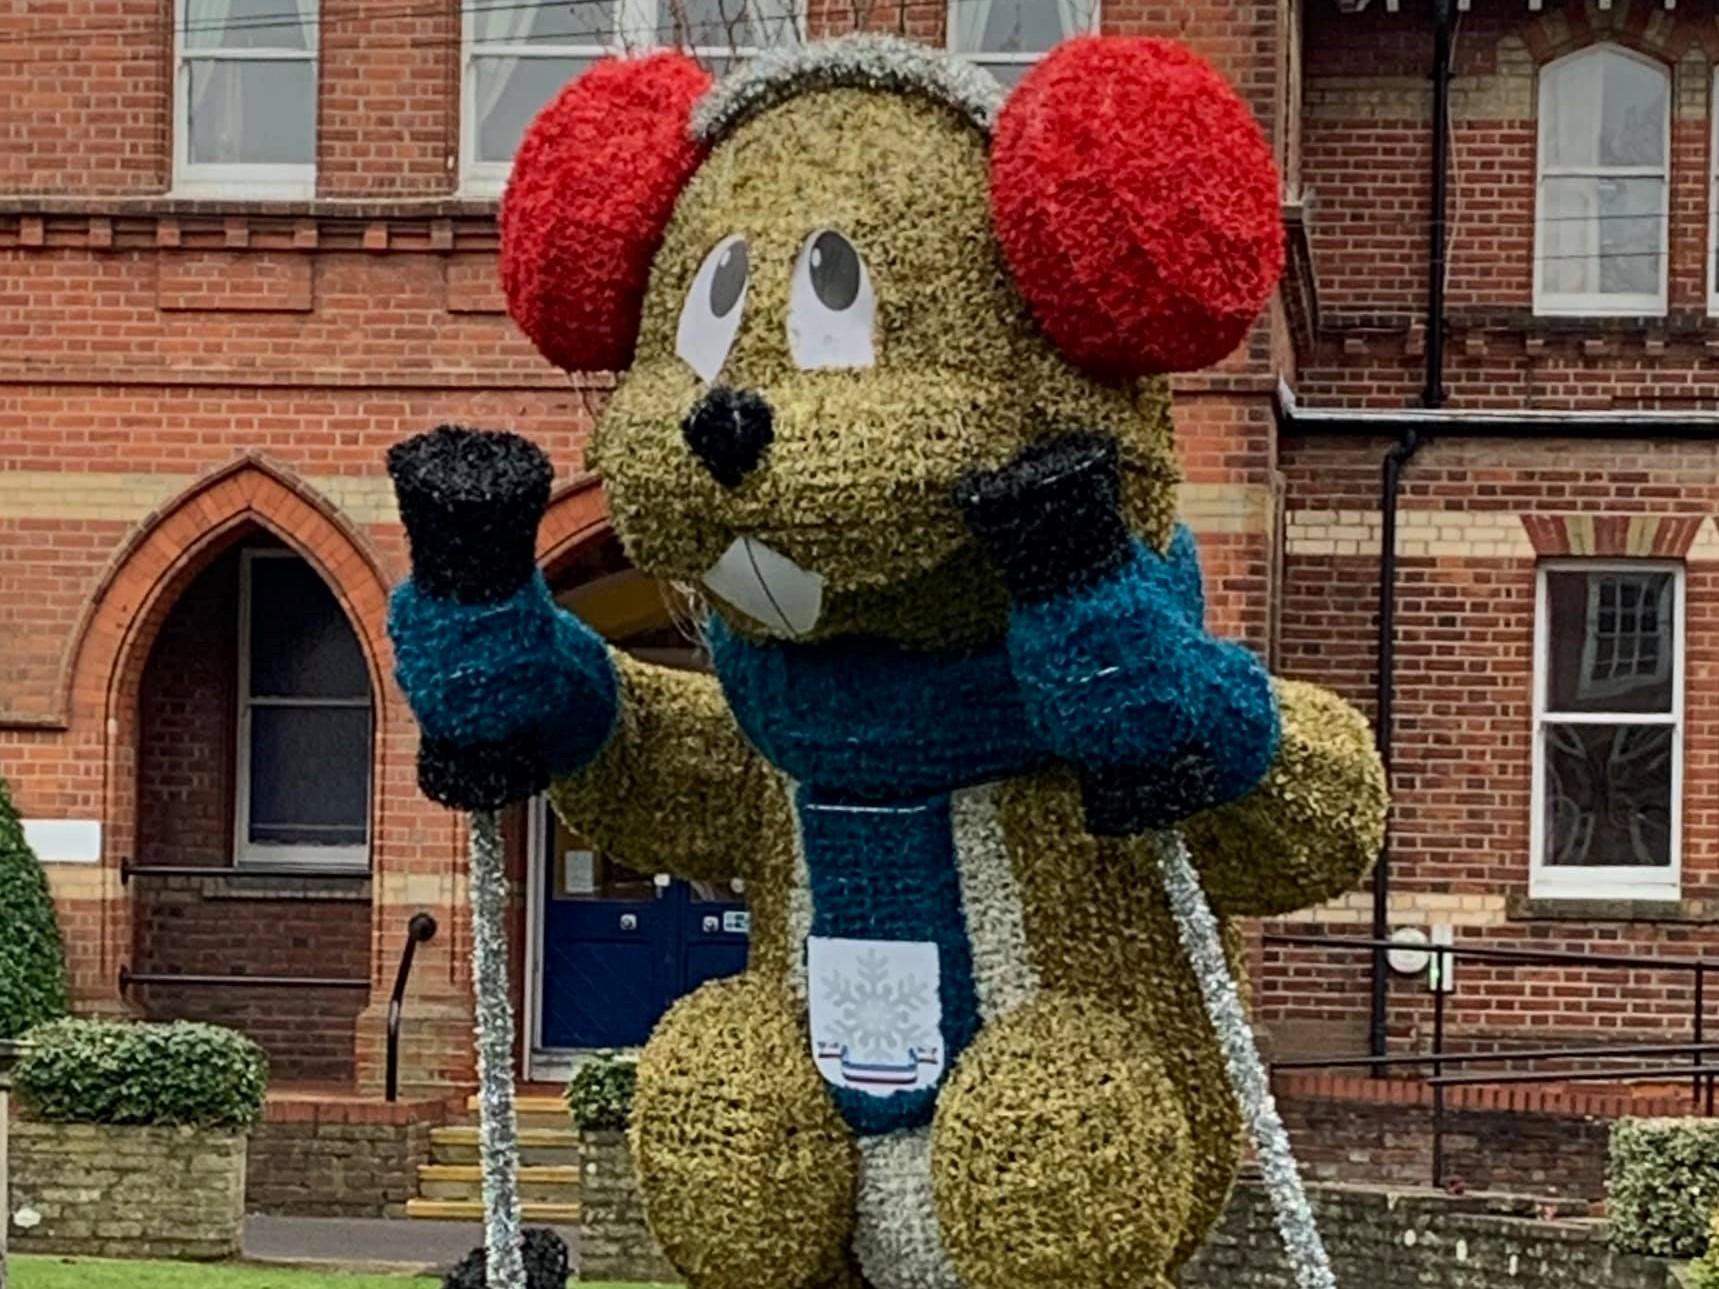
x: 877, y: 1019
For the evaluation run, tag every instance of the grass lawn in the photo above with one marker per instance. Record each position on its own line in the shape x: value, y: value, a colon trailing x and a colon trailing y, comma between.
x: 95, y: 1273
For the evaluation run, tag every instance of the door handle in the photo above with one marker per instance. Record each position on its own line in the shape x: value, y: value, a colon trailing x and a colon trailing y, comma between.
x: 629, y: 921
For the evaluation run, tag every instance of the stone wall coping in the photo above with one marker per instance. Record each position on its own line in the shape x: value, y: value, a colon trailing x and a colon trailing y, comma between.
x: 302, y: 1107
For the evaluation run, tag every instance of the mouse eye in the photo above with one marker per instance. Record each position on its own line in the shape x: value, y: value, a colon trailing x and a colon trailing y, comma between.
x: 710, y: 318
x: 832, y: 309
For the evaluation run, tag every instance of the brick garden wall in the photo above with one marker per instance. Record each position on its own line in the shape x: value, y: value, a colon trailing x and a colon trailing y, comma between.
x: 333, y: 1158
x: 1377, y: 1236
x: 127, y: 1192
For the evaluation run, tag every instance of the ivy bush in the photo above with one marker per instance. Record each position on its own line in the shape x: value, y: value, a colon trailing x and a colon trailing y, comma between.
x: 1662, y: 1185
x: 89, y: 1071
x: 32, y: 957
x: 600, y: 1094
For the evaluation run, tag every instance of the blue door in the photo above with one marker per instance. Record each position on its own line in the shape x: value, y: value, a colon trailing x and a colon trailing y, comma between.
x: 619, y: 946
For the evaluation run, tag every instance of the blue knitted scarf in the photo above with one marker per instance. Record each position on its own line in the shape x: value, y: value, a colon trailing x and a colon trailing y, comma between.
x: 869, y: 718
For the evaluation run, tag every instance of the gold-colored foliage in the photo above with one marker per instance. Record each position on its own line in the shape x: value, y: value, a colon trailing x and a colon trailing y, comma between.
x: 1312, y: 828
x: 747, y: 1171
x: 857, y: 481
x: 1060, y: 1154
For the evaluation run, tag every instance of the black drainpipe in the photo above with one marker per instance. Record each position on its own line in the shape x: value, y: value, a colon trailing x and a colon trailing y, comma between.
x: 1391, y: 475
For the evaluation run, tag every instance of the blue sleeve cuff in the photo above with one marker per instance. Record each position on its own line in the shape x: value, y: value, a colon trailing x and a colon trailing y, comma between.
x: 1121, y: 676
x: 519, y: 668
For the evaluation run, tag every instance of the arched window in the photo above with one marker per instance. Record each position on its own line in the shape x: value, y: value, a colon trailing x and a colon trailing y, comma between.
x: 303, y: 785
x: 1604, y: 162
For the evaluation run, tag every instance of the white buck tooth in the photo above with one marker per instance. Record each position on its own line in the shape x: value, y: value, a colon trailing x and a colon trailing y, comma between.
x: 766, y: 585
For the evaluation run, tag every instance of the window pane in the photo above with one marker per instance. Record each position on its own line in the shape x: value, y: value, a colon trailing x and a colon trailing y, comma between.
x: 509, y: 93
x: 1608, y: 795
x: 1632, y: 129
x: 1601, y: 236
x: 581, y: 22
x: 310, y: 775
x: 301, y: 643
x: 249, y: 24
x: 260, y: 113
x: 1609, y: 641
x: 1008, y: 75
x: 1604, y: 109
x: 1030, y: 26
x: 726, y: 24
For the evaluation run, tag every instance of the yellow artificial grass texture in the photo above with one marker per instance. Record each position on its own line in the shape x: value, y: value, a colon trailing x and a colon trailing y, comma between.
x: 103, y: 1273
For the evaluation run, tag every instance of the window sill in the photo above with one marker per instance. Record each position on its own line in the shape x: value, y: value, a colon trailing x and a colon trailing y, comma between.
x: 1559, y: 908
x: 445, y: 206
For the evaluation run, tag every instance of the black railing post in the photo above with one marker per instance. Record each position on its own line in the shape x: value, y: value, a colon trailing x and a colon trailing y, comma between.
x: 421, y: 928
x: 1442, y: 960
x: 1700, y: 1021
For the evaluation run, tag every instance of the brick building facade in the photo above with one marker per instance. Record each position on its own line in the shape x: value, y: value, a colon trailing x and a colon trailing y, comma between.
x: 1554, y: 782
x: 226, y: 291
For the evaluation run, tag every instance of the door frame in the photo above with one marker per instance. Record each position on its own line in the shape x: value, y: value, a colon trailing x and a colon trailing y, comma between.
x: 541, y: 1065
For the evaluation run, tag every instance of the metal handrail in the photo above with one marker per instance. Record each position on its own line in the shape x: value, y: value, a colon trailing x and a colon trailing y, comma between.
x: 420, y: 930
x: 128, y: 977
x: 129, y: 870
x: 1701, y: 1075
x: 1638, y: 962
x: 1518, y: 1054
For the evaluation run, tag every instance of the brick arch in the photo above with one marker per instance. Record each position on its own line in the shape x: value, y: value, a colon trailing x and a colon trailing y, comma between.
x: 1647, y: 29
x: 180, y: 539
x: 577, y: 517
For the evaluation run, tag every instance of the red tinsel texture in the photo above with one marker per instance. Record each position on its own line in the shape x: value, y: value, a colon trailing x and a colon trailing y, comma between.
x: 594, y: 183
x: 1137, y: 203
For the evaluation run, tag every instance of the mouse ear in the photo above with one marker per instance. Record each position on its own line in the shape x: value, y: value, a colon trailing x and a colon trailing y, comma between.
x: 1137, y: 205
x: 594, y: 183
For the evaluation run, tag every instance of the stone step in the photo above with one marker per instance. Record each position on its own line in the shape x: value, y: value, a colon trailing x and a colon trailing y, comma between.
x: 534, y: 1112
x: 471, y: 1210
x: 554, y: 1185
x: 538, y: 1147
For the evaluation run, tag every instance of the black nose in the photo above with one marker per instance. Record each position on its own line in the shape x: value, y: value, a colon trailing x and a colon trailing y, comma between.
x: 728, y: 430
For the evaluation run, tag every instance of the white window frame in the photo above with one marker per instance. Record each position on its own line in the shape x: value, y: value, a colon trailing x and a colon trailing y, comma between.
x: 1003, y: 58
x: 1547, y: 881
x: 633, y: 18
x: 1569, y: 304
x: 1713, y: 196
x: 249, y: 854
x: 258, y: 181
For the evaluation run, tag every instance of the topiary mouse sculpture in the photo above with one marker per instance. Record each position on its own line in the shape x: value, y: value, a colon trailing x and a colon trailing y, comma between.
x: 894, y: 394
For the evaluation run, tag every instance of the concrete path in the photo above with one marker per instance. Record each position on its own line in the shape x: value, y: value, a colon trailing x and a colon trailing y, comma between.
x: 367, y: 1243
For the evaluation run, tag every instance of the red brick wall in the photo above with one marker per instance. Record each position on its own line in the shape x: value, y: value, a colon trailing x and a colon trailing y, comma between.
x: 1464, y: 689
x: 1366, y: 170
x: 1466, y: 574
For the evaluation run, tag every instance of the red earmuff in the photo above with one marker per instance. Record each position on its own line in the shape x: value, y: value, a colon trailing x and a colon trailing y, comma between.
x: 594, y: 183
x: 1137, y: 204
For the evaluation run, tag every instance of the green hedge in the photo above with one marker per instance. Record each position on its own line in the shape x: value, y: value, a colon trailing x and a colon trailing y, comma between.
x: 87, y: 1071
x: 600, y: 1095
x: 32, y: 959
x: 1662, y: 1185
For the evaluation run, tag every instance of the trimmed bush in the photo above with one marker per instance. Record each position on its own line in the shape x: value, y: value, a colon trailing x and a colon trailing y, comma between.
x: 88, y: 1071
x: 1705, y: 1273
x: 600, y: 1095
x: 1662, y: 1185
x: 32, y: 958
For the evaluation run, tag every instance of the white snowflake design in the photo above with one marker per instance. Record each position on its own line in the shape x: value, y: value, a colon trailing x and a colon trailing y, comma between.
x: 877, y: 1015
